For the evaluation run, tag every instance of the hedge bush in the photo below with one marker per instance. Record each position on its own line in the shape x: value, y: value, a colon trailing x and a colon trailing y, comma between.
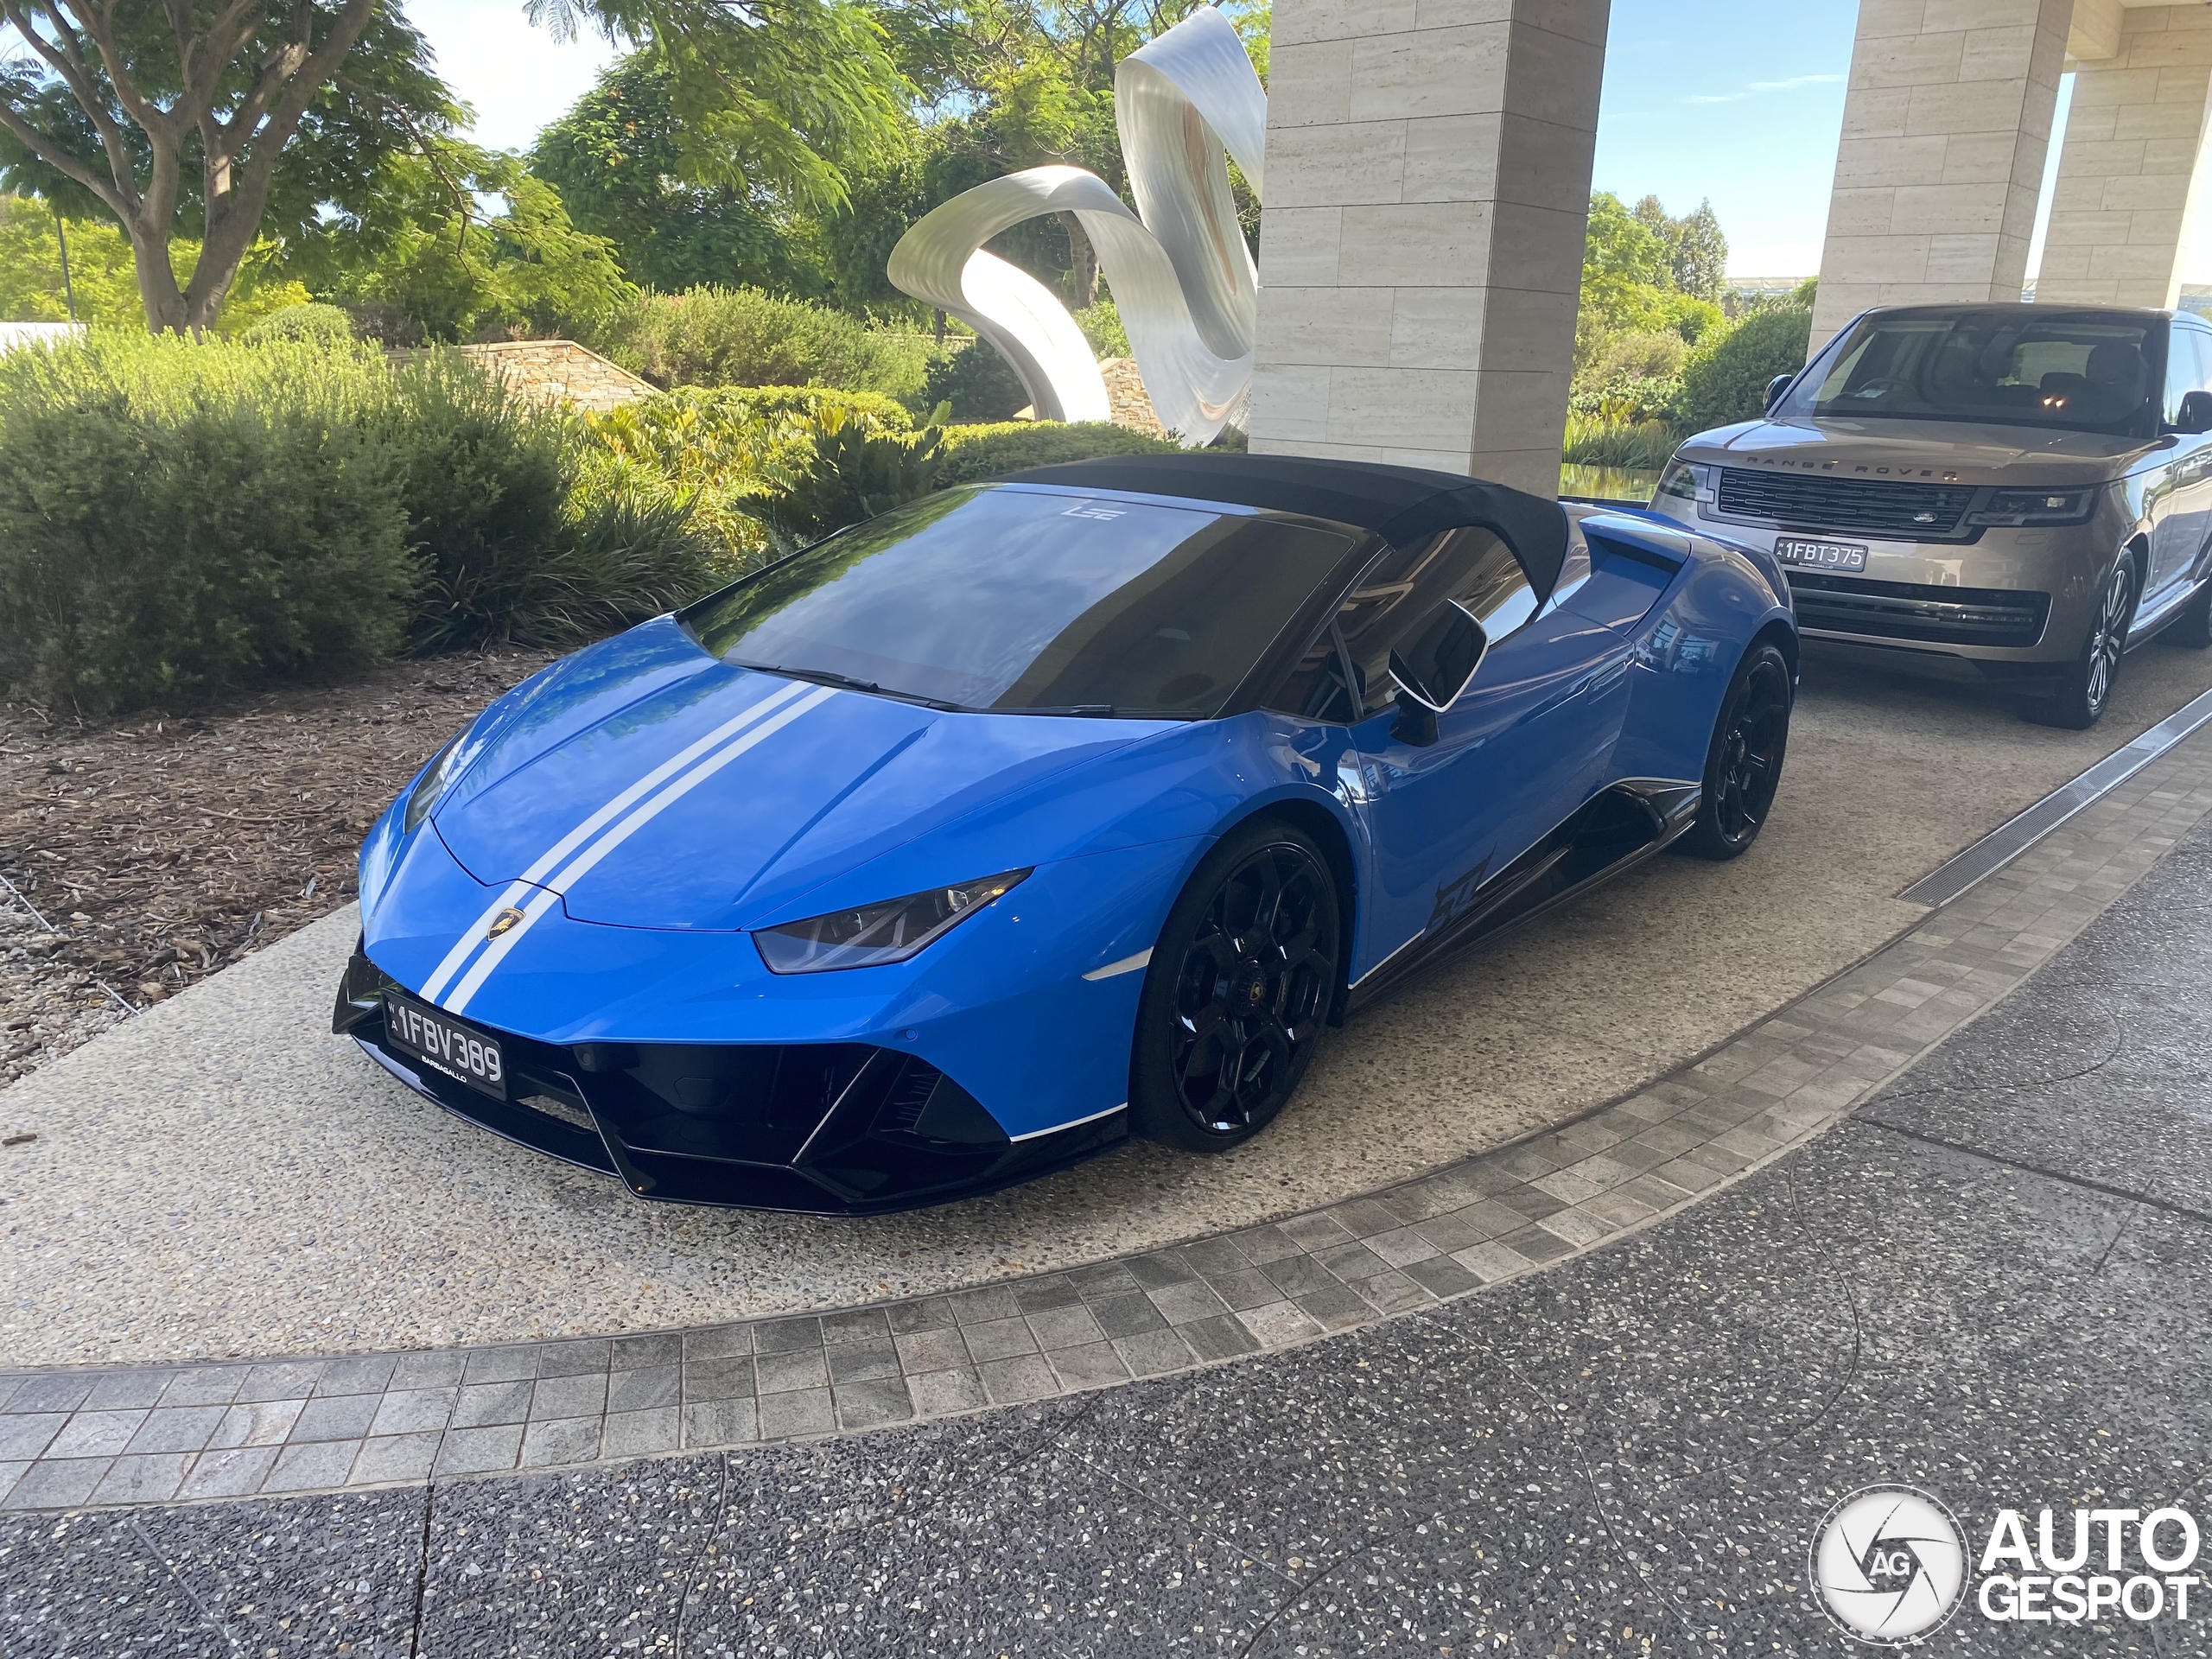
x: 719, y: 453
x: 742, y: 337
x: 974, y: 452
x: 324, y: 325
x: 1724, y: 380
x: 179, y: 518
x: 979, y: 383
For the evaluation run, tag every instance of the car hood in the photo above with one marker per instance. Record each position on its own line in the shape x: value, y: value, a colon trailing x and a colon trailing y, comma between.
x: 1932, y: 451
x: 653, y: 785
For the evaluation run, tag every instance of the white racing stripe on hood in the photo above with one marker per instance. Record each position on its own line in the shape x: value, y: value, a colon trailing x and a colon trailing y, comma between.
x: 520, y: 890
x: 550, y: 896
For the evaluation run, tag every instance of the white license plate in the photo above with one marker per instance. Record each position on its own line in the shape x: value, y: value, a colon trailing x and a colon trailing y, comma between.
x: 462, y: 1052
x: 1821, y: 555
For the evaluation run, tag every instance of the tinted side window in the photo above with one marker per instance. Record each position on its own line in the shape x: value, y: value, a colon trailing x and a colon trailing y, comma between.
x: 1474, y: 567
x: 1316, y: 688
x: 2188, y: 361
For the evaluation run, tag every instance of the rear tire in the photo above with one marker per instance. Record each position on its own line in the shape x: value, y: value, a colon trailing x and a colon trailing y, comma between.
x: 2193, y: 628
x: 1743, y: 765
x: 1237, y: 995
x: 2084, y: 690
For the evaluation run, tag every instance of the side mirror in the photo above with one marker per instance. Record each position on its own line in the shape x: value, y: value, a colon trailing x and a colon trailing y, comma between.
x: 2195, y: 412
x: 1776, y: 387
x: 1431, y: 667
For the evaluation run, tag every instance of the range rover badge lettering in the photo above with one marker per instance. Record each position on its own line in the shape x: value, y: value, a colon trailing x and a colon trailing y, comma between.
x: 500, y: 923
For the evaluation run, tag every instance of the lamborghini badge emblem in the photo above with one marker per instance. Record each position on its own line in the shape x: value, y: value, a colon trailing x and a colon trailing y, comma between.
x: 505, y: 920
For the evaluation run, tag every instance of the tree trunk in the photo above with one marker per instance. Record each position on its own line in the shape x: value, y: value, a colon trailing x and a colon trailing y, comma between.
x: 166, y: 311
x: 1083, y: 262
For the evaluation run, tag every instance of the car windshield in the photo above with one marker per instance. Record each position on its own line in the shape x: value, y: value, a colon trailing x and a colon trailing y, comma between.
x: 2076, y: 371
x: 1018, y: 598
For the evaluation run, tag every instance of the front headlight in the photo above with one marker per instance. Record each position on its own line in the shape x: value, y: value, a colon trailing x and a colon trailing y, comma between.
x: 2068, y: 507
x: 874, y: 934
x: 437, y: 778
x: 1685, y: 481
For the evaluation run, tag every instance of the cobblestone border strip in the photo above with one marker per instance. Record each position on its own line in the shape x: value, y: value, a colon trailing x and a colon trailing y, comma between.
x: 81, y: 1439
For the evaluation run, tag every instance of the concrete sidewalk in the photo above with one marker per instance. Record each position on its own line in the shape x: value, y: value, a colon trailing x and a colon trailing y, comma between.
x: 1991, y: 1283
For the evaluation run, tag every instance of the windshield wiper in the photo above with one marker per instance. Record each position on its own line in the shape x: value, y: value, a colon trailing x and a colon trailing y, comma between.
x: 847, y: 681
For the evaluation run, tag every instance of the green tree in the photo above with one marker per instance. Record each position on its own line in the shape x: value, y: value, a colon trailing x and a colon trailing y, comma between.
x: 1624, y: 273
x: 1696, y: 249
x: 421, y: 248
x: 203, y: 120
x: 774, y: 96
x: 620, y: 162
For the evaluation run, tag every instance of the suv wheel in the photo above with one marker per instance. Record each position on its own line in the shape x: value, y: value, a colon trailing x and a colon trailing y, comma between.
x: 2085, y: 689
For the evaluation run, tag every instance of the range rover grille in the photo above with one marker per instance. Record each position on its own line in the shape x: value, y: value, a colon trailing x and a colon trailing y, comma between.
x: 1908, y: 610
x: 1869, y: 506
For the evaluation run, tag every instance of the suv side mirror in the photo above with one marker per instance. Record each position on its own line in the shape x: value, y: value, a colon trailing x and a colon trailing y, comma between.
x: 1431, y: 667
x: 1774, y: 388
x: 2195, y: 414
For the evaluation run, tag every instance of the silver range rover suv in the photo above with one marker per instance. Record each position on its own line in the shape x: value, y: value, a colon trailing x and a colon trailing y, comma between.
x: 2015, y: 493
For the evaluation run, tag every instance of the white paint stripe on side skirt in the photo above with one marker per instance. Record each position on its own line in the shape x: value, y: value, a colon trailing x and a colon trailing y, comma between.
x: 1126, y: 965
x: 569, y: 873
x: 521, y: 889
x: 1077, y: 1124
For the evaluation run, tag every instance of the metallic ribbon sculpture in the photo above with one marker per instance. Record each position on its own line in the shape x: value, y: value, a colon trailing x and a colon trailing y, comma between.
x: 1181, y: 276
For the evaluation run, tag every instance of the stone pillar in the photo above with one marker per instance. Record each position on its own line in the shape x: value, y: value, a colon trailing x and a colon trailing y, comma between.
x: 2129, y: 168
x: 1945, y: 128
x: 1421, y: 254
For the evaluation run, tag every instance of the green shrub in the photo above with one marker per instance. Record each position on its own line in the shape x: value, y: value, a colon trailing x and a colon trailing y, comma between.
x: 1102, y: 326
x: 1725, y: 378
x: 759, y: 404
x: 323, y: 325
x: 179, y: 518
x: 717, y: 454
x: 979, y: 384
x: 974, y: 452
x: 512, y: 548
x: 742, y: 337
x: 851, y: 471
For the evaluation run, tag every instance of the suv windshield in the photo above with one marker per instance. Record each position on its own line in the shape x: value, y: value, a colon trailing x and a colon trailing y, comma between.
x: 1018, y: 598
x: 2077, y: 371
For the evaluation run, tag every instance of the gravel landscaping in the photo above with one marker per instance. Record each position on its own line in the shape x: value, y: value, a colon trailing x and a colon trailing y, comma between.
x: 146, y: 853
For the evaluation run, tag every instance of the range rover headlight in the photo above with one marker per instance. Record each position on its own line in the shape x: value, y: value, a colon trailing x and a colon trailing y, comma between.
x: 2023, y: 507
x: 871, y: 935
x: 437, y: 778
x: 1686, y: 481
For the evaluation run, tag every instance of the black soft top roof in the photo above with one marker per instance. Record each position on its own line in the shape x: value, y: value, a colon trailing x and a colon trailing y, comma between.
x: 1401, y: 503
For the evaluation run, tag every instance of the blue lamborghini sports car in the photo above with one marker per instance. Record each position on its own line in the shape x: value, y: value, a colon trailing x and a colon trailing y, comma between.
x: 1037, y: 813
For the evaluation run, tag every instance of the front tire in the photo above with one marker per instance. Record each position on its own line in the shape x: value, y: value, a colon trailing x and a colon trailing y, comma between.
x: 1743, y: 765
x: 2084, y: 691
x: 1237, y: 994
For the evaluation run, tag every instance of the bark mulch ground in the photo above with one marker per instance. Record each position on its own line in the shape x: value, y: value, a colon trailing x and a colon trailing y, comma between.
x: 159, y: 848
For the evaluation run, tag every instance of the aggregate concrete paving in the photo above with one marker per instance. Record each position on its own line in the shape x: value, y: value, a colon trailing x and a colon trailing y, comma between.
x: 1628, y: 1454
x: 219, y: 1176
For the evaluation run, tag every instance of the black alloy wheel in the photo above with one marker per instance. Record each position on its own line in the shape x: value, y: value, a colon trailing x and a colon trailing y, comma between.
x: 1743, y: 767
x: 1238, y: 992
x: 2084, y: 691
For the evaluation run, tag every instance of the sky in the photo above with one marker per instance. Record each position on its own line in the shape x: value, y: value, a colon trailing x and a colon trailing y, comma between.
x: 1737, y: 101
